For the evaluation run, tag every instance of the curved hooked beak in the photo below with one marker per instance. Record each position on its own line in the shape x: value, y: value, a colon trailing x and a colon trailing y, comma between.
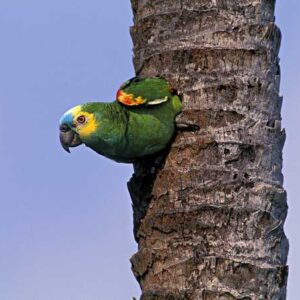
x: 68, y: 138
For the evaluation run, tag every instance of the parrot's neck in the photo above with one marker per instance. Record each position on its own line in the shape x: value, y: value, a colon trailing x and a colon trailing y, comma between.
x: 110, y: 139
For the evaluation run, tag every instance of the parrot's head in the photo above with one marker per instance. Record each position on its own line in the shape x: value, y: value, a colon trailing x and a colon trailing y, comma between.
x: 77, y: 125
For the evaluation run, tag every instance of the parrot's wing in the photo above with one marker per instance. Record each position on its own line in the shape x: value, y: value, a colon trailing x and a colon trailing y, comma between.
x: 145, y: 91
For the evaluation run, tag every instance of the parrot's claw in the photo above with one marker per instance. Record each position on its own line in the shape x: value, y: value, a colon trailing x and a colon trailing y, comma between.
x: 187, y: 126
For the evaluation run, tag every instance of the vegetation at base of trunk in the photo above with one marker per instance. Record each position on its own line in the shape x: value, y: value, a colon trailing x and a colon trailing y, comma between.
x: 209, y: 214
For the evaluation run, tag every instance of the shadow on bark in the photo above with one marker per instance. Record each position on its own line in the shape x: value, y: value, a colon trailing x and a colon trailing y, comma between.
x: 141, y: 183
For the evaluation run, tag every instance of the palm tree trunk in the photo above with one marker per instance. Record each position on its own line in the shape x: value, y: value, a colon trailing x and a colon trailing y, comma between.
x: 209, y: 215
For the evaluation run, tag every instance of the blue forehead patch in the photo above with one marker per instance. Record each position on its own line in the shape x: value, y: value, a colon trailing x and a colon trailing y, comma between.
x: 66, y: 119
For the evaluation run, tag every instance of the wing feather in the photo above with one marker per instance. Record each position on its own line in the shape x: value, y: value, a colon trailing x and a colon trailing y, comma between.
x: 140, y: 91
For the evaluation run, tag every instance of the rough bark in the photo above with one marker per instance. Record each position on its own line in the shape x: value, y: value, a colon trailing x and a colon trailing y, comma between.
x: 209, y: 214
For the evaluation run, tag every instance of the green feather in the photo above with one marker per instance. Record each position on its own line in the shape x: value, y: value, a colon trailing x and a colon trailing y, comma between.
x: 154, y: 90
x: 125, y: 133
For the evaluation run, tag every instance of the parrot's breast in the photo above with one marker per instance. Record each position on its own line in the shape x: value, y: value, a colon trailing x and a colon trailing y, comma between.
x: 126, y: 134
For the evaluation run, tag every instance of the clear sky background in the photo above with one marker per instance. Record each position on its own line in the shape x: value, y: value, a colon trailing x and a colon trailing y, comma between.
x: 66, y: 220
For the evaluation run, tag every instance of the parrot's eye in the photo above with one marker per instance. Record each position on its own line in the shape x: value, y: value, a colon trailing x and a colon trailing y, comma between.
x: 81, y: 119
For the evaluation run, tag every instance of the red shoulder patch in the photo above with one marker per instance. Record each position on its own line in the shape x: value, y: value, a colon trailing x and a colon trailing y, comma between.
x: 129, y: 99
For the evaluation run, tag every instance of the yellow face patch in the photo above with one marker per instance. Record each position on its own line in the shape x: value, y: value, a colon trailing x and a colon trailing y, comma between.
x: 85, y: 122
x: 88, y: 127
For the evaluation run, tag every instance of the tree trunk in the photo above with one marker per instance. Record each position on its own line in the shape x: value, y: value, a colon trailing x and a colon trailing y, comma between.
x: 209, y: 214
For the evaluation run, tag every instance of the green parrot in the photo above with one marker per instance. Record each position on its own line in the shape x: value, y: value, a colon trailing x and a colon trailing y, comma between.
x: 140, y: 122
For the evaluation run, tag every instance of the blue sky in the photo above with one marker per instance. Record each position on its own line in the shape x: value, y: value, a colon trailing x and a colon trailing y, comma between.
x: 287, y: 17
x: 66, y: 220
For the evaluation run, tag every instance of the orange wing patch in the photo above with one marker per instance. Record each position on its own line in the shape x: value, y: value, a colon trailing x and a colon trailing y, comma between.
x: 129, y: 100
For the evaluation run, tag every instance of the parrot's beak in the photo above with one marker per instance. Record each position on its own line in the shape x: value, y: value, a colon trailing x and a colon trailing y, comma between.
x: 68, y: 138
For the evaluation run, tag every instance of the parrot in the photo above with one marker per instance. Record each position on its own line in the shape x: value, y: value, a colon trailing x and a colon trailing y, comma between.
x: 140, y: 122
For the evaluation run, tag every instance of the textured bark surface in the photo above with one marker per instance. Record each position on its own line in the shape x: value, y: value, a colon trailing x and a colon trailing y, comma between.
x: 209, y: 213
